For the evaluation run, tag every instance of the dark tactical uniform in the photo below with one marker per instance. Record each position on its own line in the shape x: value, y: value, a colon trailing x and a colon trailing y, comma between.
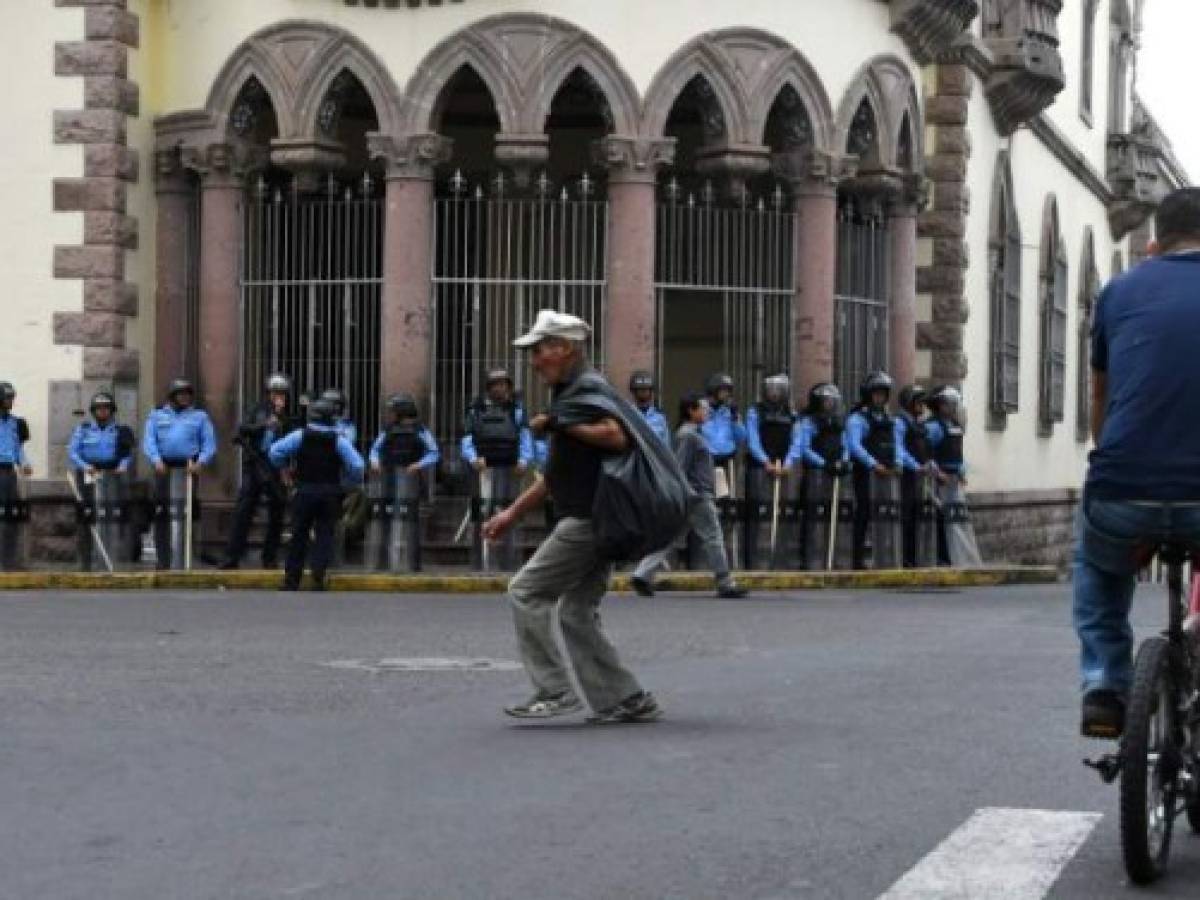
x: 918, y: 451
x: 260, y: 481
x: 14, y: 434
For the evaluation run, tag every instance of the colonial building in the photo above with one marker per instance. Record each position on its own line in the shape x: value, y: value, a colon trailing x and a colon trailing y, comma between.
x: 380, y: 196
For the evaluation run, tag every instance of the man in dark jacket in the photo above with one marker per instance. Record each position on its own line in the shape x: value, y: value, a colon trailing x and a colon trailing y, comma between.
x: 568, y: 571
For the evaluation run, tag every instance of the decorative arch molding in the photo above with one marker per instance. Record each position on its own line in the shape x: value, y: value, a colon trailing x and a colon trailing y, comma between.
x: 1051, y: 245
x: 344, y: 52
x: 746, y: 68
x: 1002, y: 216
x: 887, y: 85
x: 524, y: 59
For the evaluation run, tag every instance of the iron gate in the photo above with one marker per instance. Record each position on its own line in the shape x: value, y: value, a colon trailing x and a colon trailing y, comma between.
x: 861, y: 338
x: 497, y: 261
x: 740, y: 256
x: 311, y: 287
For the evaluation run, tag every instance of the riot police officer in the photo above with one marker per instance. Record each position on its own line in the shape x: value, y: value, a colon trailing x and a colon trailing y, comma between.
x: 178, y: 440
x: 821, y: 444
x: 14, y: 433
x: 403, y: 450
x: 770, y: 440
x: 101, y: 448
x: 496, y: 431
x: 267, y: 423
x: 405, y: 443
x: 341, y: 420
x: 322, y: 460
x: 641, y: 387
x: 946, y: 433
x: 872, y: 435
x: 915, y: 458
x: 724, y: 432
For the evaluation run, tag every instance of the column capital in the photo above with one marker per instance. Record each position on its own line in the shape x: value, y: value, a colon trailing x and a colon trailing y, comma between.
x: 913, y: 196
x: 633, y: 160
x: 522, y: 155
x: 222, y: 165
x: 812, y: 172
x: 412, y: 157
x: 170, y: 173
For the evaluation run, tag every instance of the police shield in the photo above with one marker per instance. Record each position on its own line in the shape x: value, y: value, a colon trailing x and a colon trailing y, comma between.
x: 956, y: 525
x: 886, y: 535
x: 14, y: 513
x: 729, y: 511
x: 760, y: 511
x: 495, y: 490
x: 828, y: 521
x: 105, y: 519
x: 924, y: 523
x: 176, y: 512
x: 394, y: 530
x: 773, y: 512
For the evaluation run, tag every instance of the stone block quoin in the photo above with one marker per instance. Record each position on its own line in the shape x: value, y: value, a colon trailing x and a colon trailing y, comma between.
x: 101, y: 59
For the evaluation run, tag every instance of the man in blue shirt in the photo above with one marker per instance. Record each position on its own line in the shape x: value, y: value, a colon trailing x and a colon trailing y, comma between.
x: 321, y: 460
x: 723, y: 432
x: 874, y: 439
x: 344, y: 424
x: 641, y: 386
x: 267, y: 422
x: 770, y: 441
x: 405, y: 443
x: 13, y: 435
x: 177, y: 436
x: 100, y: 445
x: 1143, y: 480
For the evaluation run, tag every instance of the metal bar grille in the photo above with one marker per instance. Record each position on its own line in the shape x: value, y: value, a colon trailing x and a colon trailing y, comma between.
x: 863, y: 294
x: 497, y: 262
x: 191, y: 264
x: 312, y: 279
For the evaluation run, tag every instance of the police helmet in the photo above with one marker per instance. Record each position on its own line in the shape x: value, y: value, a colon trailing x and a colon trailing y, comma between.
x: 7, y: 391
x: 180, y: 386
x: 717, y: 382
x: 102, y: 398
x: 323, y: 411
x: 912, y: 393
x: 824, y: 393
x: 777, y: 385
x: 946, y: 394
x: 278, y: 383
x: 403, y: 405
x: 876, y: 381
x: 336, y: 398
x: 495, y: 376
x: 641, y: 381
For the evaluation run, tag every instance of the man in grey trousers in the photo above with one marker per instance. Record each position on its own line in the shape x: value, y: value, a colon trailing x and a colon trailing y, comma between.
x: 697, y: 463
x: 567, y: 574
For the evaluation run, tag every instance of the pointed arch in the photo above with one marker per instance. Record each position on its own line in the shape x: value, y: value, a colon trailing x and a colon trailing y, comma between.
x: 1004, y: 297
x: 1089, y: 289
x: 1052, y: 350
x: 702, y: 59
x: 252, y: 59
x: 887, y: 85
x: 580, y: 50
x: 792, y: 70
x: 346, y: 53
x: 471, y: 48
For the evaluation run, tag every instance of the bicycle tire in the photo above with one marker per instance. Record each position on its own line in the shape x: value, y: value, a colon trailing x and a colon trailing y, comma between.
x: 1145, y: 862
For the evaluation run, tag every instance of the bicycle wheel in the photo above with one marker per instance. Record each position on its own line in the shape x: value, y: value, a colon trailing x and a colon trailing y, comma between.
x: 1149, y: 765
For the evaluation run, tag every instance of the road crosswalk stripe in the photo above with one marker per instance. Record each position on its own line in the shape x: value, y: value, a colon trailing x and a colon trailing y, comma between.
x: 998, y: 854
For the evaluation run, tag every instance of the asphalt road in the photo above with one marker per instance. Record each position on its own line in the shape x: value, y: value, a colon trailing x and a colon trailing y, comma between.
x: 230, y: 745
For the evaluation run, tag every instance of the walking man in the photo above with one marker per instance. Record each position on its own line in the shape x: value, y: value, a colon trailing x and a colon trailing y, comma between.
x: 322, y: 460
x: 567, y: 571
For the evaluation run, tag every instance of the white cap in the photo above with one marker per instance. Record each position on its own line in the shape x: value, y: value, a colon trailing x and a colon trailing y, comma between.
x: 555, y: 324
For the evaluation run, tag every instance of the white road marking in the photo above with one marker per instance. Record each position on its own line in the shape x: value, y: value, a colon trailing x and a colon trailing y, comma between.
x: 998, y: 854
x: 426, y: 664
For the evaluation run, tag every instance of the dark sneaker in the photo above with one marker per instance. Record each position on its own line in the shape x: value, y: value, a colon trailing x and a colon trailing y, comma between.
x: 1103, y: 715
x: 543, y: 707
x: 642, y: 587
x: 641, y: 707
x: 290, y: 584
x: 320, y: 583
x: 731, y: 592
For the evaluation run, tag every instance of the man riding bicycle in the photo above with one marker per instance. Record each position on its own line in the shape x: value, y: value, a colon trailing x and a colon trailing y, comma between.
x: 1143, y: 480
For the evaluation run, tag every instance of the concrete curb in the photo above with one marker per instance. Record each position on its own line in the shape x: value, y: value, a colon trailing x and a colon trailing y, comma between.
x: 497, y: 584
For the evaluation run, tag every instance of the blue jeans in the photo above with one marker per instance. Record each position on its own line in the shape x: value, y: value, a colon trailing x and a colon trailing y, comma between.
x: 1110, y: 534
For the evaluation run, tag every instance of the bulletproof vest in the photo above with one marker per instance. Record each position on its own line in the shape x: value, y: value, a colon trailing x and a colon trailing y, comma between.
x: 775, y: 429
x: 880, y: 441
x: 827, y: 442
x: 497, y: 438
x: 949, y: 452
x: 402, y: 446
x: 317, y: 461
x: 916, y: 439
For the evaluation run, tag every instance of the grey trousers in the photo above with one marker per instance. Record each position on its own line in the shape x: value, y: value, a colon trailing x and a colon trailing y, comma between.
x: 566, y: 574
x: 704, y: 521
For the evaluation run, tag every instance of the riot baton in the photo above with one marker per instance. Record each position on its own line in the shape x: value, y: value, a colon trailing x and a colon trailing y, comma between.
x: 485, y: 499
x: 833, y: 522
x: 187, y: 524
x: 733, y: 535
x: 91, y: 526
x: 775, y: 516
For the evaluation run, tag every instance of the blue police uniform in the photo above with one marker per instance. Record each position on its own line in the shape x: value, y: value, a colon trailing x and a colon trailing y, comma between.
x: 858, y: 426
x: 13, y: 435
x: 950, y: 463
x: 175, y: 436
x: 754, y: 442
x: 866, y: 432
x: 263, y: 427
x: 430, y: 458
x: 908, y: 462
x: 723, y: 433
x: 657, y: 422
x: 108, y: 447
x: 348, y: 430
x: 803, y: 446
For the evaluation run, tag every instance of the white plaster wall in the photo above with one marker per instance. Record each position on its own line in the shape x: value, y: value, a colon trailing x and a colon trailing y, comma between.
x: 1089, y: 138
x: 29, y: 229
x: 140, y: 200
x: 836, y: 37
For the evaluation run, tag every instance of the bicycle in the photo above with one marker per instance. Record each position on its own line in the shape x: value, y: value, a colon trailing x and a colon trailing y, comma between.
x: 1158, y: 761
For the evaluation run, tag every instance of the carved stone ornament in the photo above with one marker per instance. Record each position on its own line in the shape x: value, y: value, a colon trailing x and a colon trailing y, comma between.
x: 930, y: 28
x: 413, y: 156
x: 808, y: 169
x: 1027, y: 69
x: 633, y: 158
x: 523, y: 155
x: 300, y: 156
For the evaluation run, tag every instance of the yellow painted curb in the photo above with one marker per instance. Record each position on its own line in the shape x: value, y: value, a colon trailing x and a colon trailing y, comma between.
x: 496, y: 584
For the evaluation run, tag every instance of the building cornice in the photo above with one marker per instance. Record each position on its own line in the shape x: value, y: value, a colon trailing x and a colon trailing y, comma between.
x: 1071, y: 157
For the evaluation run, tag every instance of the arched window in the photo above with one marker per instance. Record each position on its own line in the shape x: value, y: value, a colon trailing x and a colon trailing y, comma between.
x: 1004, y: 264
x: 1089, y: 287
x: 1052, y: 357
x: 1087, y: 57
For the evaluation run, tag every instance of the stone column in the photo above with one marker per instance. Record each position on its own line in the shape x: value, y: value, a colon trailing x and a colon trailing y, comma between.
x: 902, y: 236
x: 174, y: 196
x: 222, y: 196
x: 408, y: 259
x: 630, y: 328
x: 814, y: 177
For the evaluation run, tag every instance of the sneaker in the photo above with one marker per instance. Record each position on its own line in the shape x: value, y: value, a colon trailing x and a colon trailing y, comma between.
x: 641, y: 707
x: 642, y: 586
x: 1103, y: 715
x: 540, y: 706
x: 731, y: 592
